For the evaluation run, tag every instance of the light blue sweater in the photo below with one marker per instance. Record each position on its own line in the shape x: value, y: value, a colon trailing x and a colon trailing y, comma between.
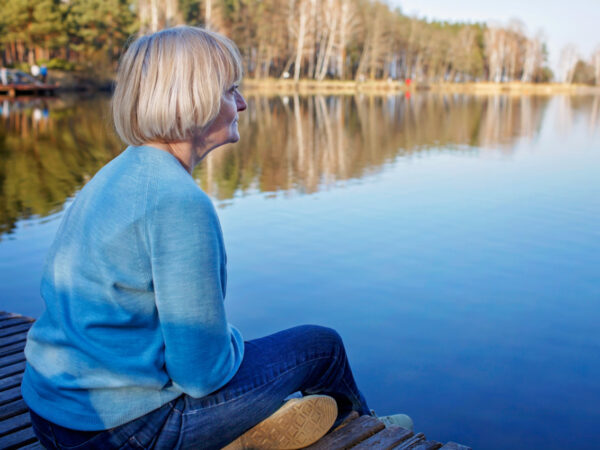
x: 134, y: 285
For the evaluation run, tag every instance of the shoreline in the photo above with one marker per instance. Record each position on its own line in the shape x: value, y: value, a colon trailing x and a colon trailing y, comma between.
x: 350, y: 87
x: 74, y: 82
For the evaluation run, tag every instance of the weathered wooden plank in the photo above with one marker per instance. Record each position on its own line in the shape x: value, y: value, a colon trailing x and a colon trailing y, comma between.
x: 12, y: 409
x: 412, y: 442
x: 427, y: 445
x: 454, y: 446
x: 13, y: 339
x: 356, y: 431
x: 385, y: 439
x: 12, y: 348
x: 11, y: 382
x: 15, y: 423
x: 7, y: 360
x: 352, y: 416
x: 15, y: 321
x: 12, y: 369
x: 18, y: 439
x: 10, y: 395
x: 14, y: 329
x: 7, y: 315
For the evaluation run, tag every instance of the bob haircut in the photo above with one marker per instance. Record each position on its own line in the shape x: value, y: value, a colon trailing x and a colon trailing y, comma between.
x: 169, y: 84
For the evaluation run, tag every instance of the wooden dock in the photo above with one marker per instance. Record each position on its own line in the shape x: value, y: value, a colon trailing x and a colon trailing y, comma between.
x: 15, y: 427
x: 12, y: 90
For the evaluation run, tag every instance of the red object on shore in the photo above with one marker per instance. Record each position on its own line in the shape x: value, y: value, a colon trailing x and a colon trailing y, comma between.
x: 407, y: 82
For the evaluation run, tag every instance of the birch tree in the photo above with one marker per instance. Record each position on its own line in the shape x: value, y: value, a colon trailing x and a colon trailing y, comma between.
x: 298, y: 27
x: 348, y: 24
x: 494, y: 38
x: 154, y: 15
x: 534, y: 57
x: 568, y: 62
x: 331, y: 17
x: 596, y: 64
x: 375, y: 40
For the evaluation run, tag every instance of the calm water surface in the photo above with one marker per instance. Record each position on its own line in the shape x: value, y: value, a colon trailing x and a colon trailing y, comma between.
x: 452, y: 240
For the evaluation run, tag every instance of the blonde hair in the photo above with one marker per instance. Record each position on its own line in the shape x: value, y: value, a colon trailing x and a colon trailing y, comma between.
x: 169, y: 84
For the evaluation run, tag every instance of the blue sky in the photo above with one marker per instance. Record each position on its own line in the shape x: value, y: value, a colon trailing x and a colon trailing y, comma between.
x: 563, y: 22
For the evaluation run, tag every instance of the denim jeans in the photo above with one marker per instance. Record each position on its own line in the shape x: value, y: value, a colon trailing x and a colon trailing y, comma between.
x: 309, y: 359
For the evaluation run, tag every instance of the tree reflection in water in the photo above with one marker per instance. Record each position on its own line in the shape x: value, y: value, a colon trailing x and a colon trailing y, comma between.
x: 50, y: 148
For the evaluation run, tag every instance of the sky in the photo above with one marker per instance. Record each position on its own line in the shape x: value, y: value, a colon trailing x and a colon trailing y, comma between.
x: 563, y: 22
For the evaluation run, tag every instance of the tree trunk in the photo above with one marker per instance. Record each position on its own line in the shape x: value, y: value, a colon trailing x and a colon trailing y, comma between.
x: 326, y: 46
x: 208, y: 14
x: 171, y: 13
x: 300, y: 44
x: 154, y: 15
x: 327, y: 57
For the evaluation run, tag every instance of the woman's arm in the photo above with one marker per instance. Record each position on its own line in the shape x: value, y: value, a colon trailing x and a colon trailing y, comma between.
x: 202, y: 352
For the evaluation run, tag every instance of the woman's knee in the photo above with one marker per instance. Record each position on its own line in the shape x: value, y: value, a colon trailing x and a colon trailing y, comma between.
x: 321, y: 336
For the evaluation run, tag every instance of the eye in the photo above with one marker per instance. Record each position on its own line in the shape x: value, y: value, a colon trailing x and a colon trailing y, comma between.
x: 234, y: 88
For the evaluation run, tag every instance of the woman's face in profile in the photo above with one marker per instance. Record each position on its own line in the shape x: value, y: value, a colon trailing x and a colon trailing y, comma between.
x: 224, y: 128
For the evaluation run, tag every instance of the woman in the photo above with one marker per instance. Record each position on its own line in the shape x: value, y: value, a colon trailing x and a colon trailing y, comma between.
x: 134, y: 349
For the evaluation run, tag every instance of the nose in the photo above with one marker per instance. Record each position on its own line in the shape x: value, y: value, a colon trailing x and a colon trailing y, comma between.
x: 240, y: 102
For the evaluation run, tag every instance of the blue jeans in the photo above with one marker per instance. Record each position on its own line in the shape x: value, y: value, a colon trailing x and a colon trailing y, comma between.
x: 310, y: 359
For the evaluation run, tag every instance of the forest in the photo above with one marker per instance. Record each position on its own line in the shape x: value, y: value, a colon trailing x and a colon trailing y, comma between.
x: 296, y: 39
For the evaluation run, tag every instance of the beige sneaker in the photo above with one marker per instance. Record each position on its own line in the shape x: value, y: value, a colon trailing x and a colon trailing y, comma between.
x: 299, y: 423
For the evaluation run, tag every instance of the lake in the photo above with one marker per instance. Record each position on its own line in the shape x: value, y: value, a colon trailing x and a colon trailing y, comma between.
x: 452, y: 240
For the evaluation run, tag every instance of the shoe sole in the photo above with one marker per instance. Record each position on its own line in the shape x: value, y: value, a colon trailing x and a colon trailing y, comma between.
x: 398, y: 420
x: 297, y: 424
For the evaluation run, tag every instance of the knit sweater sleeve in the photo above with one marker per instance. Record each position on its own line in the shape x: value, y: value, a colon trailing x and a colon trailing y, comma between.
x: 202, y: 351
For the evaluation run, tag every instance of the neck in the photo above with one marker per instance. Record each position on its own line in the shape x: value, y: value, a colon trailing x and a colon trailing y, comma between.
x: 183, y: 151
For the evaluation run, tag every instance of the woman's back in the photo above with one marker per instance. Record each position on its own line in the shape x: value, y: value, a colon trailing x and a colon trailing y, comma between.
x: 100, y: 343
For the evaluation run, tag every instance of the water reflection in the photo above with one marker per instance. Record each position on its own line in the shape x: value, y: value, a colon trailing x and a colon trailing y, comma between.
x: 570, y: 109
x: 50, y: 147
x: 26, y: 118
x: 308, y: 143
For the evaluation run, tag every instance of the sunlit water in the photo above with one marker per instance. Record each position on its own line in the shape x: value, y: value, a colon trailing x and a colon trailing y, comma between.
x: 453, y: 241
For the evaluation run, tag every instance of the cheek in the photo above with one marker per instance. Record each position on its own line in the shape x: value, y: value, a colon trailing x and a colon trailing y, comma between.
x: 231, y: 111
